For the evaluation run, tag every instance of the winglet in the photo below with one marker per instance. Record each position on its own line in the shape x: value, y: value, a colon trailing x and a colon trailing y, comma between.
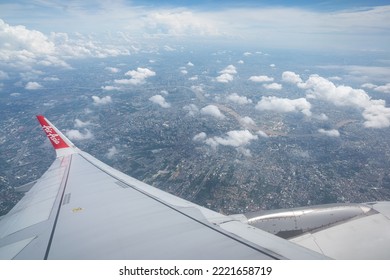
x: 62, y: 145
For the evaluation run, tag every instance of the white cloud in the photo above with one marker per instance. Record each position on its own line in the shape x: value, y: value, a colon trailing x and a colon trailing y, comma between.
x: 137, y: 76
x: 234, y: 138
x: 225, y: 78
x: 110, y: 88
x: 200, y: 137
x: 234, y: 97
x: 192, y: 109
x: 284, y: 105
x: 190, y: 64
x: 80, y: 124
x: 377, y: 115
x: 184, y: 72
x: 261, y: 79
x: 335, y: 78
x: 113, y: 69
x: 160, y: 100
x: 33, y: 86
x: 193, y: 78
x: 51, y: 79
x: 227, y: 74
x: 15, y: 94
x: 101, y: 101
x: 321, y: 117
x: 75, y: 134
x: 273, y: 86
x: 213, y: 111
x: 330, y: 133
x: 179, y: 23
x: 262, y: 133
x: 272, y: 65
x: 247, y: 121
x: 240, y: 61
x: 289, y: 27
x: 113, y: 151
x: 385, y: 88
x: 375, y: 112
x: 25, y: 48
x: 369, y: 85
x: 230, y: 69
x: 291, y: 77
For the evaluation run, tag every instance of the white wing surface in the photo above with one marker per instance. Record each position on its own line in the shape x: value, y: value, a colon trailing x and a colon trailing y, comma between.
x: 83, y: 209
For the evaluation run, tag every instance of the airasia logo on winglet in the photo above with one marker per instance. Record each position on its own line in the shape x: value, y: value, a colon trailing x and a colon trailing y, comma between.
x: 50, y: 133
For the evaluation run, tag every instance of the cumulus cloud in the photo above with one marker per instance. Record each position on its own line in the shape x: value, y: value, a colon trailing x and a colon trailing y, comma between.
x: 26, y: 48
x: 75, y: 134
x: 261, y: 79
x: 190, y: 64
x: 273, y: 86
x: 291, y: 77
x: 375, y: 112
x: 200, y: 137
x: 137, y: 76
x: 113, y: 151
x: 330, y: 133
x: 101, y: 101
x: 225, y: 78
x: 234, y: 138
x: 80, y: 124
x: 227, y: 74
x: 192, y: 109
x: 284, y: 105
x: 247, y: 121
x: 160, y: 100
x: 33, y: 86
x: 242, y: 100
x: 230, y: 69
x: 213, y: 111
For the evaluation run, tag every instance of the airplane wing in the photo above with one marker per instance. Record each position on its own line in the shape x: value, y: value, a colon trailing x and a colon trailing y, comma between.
x: 82, y: 208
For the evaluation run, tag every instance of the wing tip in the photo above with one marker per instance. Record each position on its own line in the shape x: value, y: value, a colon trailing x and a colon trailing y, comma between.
x: 61, y: 144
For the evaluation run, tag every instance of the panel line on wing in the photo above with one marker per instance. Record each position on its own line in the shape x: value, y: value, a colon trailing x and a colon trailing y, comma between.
x: 63, y: 186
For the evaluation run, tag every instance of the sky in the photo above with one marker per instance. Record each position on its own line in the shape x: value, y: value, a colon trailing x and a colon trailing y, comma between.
x: 310, y: 25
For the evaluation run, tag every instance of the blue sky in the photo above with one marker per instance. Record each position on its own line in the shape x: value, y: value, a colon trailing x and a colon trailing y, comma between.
x: 318, y: 25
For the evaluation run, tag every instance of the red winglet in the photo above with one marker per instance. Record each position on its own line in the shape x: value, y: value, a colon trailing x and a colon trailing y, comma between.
x: 52, y: 134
